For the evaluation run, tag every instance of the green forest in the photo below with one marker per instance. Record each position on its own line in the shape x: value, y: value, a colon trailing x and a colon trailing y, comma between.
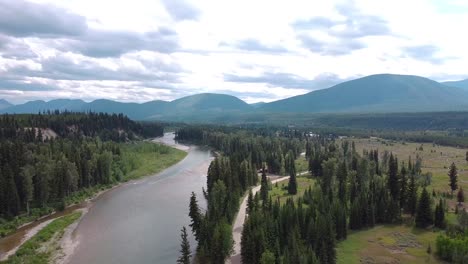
x: 352, y: 192
x: 50, y: 160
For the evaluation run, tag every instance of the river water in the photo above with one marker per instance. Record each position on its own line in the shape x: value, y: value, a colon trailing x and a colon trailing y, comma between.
x: 140, y: 222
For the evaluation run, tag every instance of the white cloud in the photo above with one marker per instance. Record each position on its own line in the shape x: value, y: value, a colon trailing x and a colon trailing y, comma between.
x: 215, y: 38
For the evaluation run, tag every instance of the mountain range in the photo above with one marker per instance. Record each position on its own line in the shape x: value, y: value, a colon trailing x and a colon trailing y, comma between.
x: 381, y: 93
x: 5, y: 104
x: 460, y: 84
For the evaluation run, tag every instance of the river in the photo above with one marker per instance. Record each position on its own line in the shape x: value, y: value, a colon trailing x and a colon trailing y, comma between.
x: 140, y: 222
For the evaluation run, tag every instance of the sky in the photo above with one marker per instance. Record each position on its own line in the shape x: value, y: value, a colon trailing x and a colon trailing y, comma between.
x: 257, y: 50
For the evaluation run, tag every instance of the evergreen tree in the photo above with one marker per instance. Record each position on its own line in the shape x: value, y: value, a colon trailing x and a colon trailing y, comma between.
x: 264, y: 187
x: 342, y: 177
x: 460, y: 196
x: 267, y: 258
x: 292, y: 185
x: 412, y: 196
x: 439, y: 215
x: 393, y: 181
x: 463, y: 219
x: 328, y: 176
x: 27, y: 174
x: 195, y: 216
x: 453, y: 177
x: 222, y: 243
x: 185, y: 251
x: 424, y: 212
x: 403, y: 186
x: 339, y: 217
x: 250, y: 203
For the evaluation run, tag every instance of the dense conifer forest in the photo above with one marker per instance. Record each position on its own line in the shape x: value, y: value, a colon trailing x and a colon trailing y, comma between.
x: 353, y: 191
x: 229, y: 177
x: 47, y: 157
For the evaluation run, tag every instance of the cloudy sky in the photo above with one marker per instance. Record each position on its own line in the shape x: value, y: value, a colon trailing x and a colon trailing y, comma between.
x: 258, y: 50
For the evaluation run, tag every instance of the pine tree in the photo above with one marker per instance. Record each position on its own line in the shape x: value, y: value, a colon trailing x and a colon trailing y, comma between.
x: 424, y: 212
x: 460, y: 196
x: 264, y: 187
x: 412, y: 198
x: 342, y: 176
x: 339, y: 217
x: 250, y: 203
x: 453, y: 177
x: 195, y: 216
x: 393, y: 181
x: 328, y: 176
x: 403, y: 186
x: 267, y: 258
x: 292, y: 185
x: 185, y: 251
x: 439, y: 215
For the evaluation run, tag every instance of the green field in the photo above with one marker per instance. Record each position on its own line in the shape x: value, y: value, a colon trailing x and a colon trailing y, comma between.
x: 40, y: 247
x: 146, y: 158
x: 302, y: 164
x: 404, y: 244
x: 435, y: 160
x: 388, y: 244
x: 280, y: 191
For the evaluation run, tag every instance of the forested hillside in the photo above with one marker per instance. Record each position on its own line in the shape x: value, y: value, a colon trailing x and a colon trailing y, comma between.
x: 46, y: 158
x: 383, y: 93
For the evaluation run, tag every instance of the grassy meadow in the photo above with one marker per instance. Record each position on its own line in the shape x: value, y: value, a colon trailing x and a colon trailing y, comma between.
x: 280, y: 190
x: 145, y: 158
x: 388, y: 244
x: 404, y: 243
x: 435, y: 159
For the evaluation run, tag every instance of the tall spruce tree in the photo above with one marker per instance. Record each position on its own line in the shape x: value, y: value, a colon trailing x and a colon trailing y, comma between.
x: 195, y: 216
x: 264, y: 186
x: 453, y: 177
x: 460, y: 196
x: 342, y: 177
x: 424, y: 212
x: 412, y: 196
x: 439, y: 215
x: 292, y: 185
x: 393, y: 181
x: 185, y: 252
x: 403, y: 186
x: 267, y: 258
x: 250, y: 203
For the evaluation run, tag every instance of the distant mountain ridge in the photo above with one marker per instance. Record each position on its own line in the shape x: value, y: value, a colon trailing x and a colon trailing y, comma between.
x: 205, y: 103
x: 459, y: 84
x: 381, y: 93
x: 377, y: 93
x: 5, y: 104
